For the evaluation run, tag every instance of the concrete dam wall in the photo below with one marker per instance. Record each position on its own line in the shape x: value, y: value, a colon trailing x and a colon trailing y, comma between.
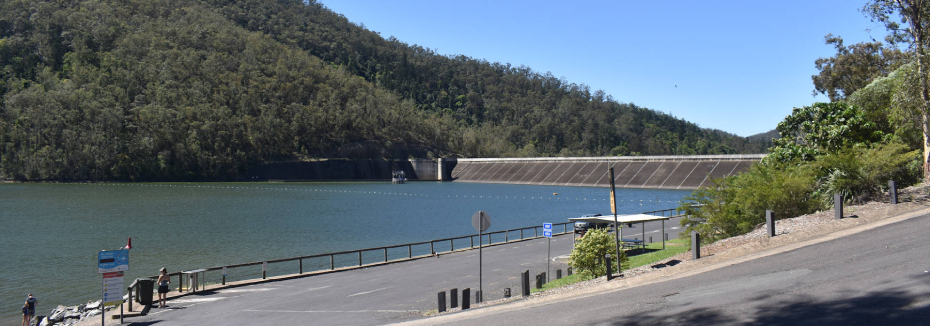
x: 655, y: 172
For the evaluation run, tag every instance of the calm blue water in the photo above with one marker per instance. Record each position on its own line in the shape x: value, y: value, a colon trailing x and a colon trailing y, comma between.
x: 50, y: 233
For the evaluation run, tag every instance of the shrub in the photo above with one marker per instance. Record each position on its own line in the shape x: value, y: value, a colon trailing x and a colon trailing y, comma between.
x: 587, y: 258
x: 735, y: 205
x: 861, y: 173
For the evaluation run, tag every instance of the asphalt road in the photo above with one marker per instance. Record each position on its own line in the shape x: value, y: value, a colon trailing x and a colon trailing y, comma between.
x: 368, y: 296
x: 876, y: 277
x: 374, y: 295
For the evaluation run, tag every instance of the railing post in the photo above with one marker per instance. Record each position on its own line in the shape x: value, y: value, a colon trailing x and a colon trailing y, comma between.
x: 409, y: 251
x: 536, y: 232
x: 506, y: 236
x: 301, y: 264
x: 451, y: 245
x: 180, y: 282
x: 385, y: 254
x: 129, y: 290
x: 431, y: 250
x: 332, y: 262
x: 360, y: 258
x: 521, y: 234
x: 472, y: 239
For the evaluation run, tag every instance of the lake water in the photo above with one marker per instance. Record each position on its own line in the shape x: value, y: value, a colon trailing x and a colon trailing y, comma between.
x: 50, y: 233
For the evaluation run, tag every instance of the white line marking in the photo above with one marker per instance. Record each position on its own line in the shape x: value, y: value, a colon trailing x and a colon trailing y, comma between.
x: 245, y: 290
x: 360, y: 293
x: 196, y: 300
x: 332, y: 311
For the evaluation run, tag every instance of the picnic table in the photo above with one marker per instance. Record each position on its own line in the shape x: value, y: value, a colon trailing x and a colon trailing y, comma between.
x: 633, y: 243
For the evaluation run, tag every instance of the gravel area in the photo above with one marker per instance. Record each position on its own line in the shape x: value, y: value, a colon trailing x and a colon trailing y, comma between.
x: 789, y: 230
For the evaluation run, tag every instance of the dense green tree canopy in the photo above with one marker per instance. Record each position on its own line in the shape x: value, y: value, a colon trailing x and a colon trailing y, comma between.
x: 197, y: 90
x: 853, y: 67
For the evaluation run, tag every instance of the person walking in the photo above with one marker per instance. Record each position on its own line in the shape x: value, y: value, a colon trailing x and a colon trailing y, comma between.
x: 163, y: 281
x: 29, y: 309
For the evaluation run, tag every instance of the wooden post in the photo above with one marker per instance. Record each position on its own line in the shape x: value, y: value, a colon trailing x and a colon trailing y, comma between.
x: 301, y: 264
x: 409, y: 252
x: 385, y: 254
x: 360, y: 258
x: 332, y: 262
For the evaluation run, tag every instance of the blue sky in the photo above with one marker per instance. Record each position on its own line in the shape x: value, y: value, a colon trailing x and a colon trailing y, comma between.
x: 739, y: 66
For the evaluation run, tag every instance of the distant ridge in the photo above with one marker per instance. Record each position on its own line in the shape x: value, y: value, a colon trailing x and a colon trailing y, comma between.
x: 204, y: 90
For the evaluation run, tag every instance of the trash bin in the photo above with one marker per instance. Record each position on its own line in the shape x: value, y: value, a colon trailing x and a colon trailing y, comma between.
x: 144, y: 287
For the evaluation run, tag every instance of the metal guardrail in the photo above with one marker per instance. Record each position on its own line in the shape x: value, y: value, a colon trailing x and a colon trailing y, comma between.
x: 671, y: 212
x: 384, y: 257
x: 533, y: 233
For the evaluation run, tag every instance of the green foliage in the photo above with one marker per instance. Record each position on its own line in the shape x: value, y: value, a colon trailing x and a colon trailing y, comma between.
x: 203, y: 90
x: 861, y: 173
x: 896, y: 99
x: 821, y: 128
x: 853, y: 67
x: 587, y: 258
x: 736, y: 204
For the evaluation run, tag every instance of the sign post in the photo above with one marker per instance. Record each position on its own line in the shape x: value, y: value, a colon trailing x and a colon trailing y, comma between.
x: 480, y: 221
x: 613, y: 209
x: 111, y: 264
x: 547, y: 232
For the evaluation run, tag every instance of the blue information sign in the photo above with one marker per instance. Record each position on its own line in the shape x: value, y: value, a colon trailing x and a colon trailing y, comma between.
x: 547, y: 230
x: 113, y: 261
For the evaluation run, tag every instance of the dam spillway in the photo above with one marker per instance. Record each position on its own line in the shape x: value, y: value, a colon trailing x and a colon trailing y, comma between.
x: 652, y: 172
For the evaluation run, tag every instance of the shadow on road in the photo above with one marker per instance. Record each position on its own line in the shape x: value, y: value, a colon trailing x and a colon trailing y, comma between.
x: 892, y: 307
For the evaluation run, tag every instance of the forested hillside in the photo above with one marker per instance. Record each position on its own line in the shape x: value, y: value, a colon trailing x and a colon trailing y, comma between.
x: 202, y: 90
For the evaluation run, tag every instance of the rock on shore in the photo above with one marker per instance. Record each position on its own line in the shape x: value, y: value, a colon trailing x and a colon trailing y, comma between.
x: 66, y: 316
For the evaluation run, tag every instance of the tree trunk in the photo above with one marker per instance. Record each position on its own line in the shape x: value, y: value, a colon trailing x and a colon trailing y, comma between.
x: 917, y: 31
x: 926, y: 128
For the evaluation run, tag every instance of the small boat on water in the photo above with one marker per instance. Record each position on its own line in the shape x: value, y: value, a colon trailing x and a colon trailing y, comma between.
x: 398, y: 177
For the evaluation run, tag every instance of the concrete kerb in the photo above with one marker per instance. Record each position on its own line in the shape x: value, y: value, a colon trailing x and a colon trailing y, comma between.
x: 672, y: 273
x: 229, y: 285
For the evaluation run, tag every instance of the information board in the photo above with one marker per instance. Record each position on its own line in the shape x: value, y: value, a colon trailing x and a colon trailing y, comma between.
x: 112, y: 288
x: 112, y: 261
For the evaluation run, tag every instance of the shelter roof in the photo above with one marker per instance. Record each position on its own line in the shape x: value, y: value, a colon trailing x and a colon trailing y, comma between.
x: 634, y: 218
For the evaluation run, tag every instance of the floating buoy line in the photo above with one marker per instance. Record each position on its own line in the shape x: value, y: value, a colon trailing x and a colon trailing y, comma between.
x: 606, y: 198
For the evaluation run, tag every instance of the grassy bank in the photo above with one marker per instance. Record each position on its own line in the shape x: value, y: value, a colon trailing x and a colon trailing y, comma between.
x: 654, y: 253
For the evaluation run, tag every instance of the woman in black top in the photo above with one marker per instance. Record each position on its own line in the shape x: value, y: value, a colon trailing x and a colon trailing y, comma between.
x: 163, y: 281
